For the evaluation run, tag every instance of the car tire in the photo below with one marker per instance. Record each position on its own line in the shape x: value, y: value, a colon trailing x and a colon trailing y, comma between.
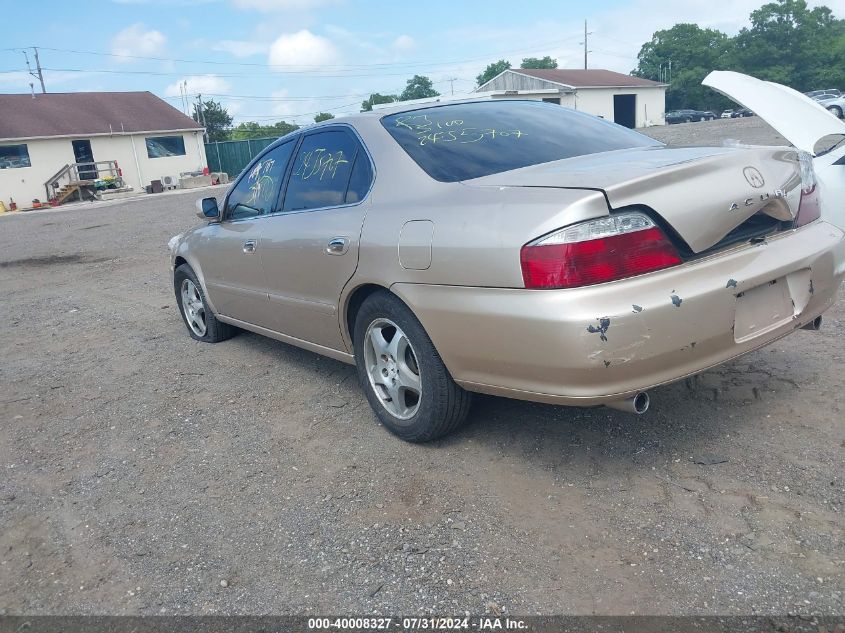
x: 405, y: 381
x: 687, y: 120
x: 836, y: 111
x: 196, y: 314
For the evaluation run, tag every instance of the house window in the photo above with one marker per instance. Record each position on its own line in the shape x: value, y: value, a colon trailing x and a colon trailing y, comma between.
x: 555, y: 100
x: 161, y: 146
x: 12, y: 156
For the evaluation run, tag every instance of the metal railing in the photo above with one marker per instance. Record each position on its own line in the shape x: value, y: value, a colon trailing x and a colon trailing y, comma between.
x: 82, y: 174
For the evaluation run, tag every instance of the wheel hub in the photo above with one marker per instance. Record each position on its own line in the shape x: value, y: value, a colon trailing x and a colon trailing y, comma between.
x: 193, y: 308
x: 392, y: 368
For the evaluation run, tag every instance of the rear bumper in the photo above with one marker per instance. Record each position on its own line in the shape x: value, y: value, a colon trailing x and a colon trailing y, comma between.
x: 593, y: 345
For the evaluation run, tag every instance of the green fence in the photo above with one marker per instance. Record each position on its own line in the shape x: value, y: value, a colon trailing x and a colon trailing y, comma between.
x: 233, y: 156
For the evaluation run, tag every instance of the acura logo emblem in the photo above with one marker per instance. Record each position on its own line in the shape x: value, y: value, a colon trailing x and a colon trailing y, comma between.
x: 754, y: 177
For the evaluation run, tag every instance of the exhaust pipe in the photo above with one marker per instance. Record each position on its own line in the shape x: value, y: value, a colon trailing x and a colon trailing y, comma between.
x: 815, y: 325
x: 638, y: 403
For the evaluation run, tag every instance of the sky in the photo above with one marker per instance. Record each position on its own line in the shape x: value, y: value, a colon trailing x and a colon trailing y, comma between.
x: 270, y: 60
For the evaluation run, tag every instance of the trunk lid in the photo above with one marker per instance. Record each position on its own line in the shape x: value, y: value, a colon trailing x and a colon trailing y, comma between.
x: 703, y: 193
x: 796, y: 117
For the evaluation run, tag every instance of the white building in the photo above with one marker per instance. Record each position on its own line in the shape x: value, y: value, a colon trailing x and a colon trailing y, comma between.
x: 623, y: 99
x: 49, y: 141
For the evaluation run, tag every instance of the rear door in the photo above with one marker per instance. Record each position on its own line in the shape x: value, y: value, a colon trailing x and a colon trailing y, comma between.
x: 310, y: 249
x: 230, y: 251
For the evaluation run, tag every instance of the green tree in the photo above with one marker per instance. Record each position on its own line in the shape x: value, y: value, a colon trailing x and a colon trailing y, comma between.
x: 214, y: 118
x: 418, y: 87
x: 692, y: 52
x: 251, y: 129
x: 375, y: 99
x: 792, y: 44
x: 323, y: 116
x: 538, y: 62
x: 492, y: 70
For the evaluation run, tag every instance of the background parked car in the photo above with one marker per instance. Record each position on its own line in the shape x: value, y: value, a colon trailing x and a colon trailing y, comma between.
x: 688, y: 116
x: 744, y: 112
x: 814, y: 94
x: 727, y: 114
x: 835, y: 105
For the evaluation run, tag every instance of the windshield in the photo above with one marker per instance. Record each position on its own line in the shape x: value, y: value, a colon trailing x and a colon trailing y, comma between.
x: 469, y: 140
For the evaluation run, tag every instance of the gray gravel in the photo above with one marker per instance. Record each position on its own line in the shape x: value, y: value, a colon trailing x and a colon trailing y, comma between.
x: 749, y: 130
x: 145, y: 473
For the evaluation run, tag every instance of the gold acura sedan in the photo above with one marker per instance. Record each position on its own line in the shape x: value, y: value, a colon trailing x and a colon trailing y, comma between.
x: 508, y: 247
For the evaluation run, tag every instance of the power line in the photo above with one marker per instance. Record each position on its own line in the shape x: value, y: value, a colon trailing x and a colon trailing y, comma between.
x: 226, y: 75
x: 274, y: 99
x: 533, y: 48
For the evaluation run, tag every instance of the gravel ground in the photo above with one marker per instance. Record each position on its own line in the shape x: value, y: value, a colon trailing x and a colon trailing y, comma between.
x: 749, y: 130
x: 145, y: 473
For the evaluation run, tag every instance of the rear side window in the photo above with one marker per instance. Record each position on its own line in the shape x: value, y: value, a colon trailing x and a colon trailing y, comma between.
x: 321, y: 171
x: 468, y: 140
x: 257, y: 191
x: 360, y: 180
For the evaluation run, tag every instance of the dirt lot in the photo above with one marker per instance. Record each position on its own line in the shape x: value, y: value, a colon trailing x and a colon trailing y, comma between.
x: 143, y: 471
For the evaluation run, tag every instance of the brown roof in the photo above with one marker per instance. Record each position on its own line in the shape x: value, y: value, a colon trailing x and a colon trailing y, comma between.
x: 592, y: 78
x: 87, y: 113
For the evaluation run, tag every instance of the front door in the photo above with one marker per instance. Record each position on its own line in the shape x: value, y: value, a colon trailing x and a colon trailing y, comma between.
x: 230, y: 251
x: 82, y: 154
x: 625, y: 110
x: 310, y: 250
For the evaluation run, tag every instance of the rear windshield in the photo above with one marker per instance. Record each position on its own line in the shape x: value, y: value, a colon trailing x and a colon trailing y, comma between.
x: 468, y: 140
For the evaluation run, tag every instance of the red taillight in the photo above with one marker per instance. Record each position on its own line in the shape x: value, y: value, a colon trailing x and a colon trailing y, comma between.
x: 630, y: 244
x: 810, y: 207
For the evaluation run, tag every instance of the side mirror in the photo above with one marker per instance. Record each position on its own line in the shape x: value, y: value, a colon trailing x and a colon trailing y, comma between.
x: 207, y: 209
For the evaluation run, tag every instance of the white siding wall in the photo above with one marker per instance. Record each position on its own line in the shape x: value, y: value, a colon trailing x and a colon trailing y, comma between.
x: 651, y: 102
x: 47, y: 156
x: 599, y: 101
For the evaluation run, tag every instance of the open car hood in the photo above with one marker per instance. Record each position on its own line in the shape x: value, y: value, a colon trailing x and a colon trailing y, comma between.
x: 796, y: 117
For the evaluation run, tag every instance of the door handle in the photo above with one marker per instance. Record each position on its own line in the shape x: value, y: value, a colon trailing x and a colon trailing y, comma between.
x: 249, y: 246
x: 337, y: 246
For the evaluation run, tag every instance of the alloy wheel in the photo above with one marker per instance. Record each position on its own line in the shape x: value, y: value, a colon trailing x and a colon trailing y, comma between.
x: 193, y: 308
x: 392, y: 368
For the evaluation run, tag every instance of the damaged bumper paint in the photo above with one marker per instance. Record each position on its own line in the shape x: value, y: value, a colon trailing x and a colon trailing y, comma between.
x: 598, y: 344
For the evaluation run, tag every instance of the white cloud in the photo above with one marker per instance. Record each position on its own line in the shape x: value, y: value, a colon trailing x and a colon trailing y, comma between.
x: 135, y: 40
x: 267, y: 6
x: 302, y: 49
x: 404, y: 43
x: 241, y: 48
x: 19, y: 80
x: 199, y: 84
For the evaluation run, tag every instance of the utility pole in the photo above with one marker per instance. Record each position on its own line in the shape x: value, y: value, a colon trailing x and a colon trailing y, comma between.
x: 183, y: 95
x: 39, y: 74
x: 451, y: 81
x: 201, y: 116
x: 586, y: 50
